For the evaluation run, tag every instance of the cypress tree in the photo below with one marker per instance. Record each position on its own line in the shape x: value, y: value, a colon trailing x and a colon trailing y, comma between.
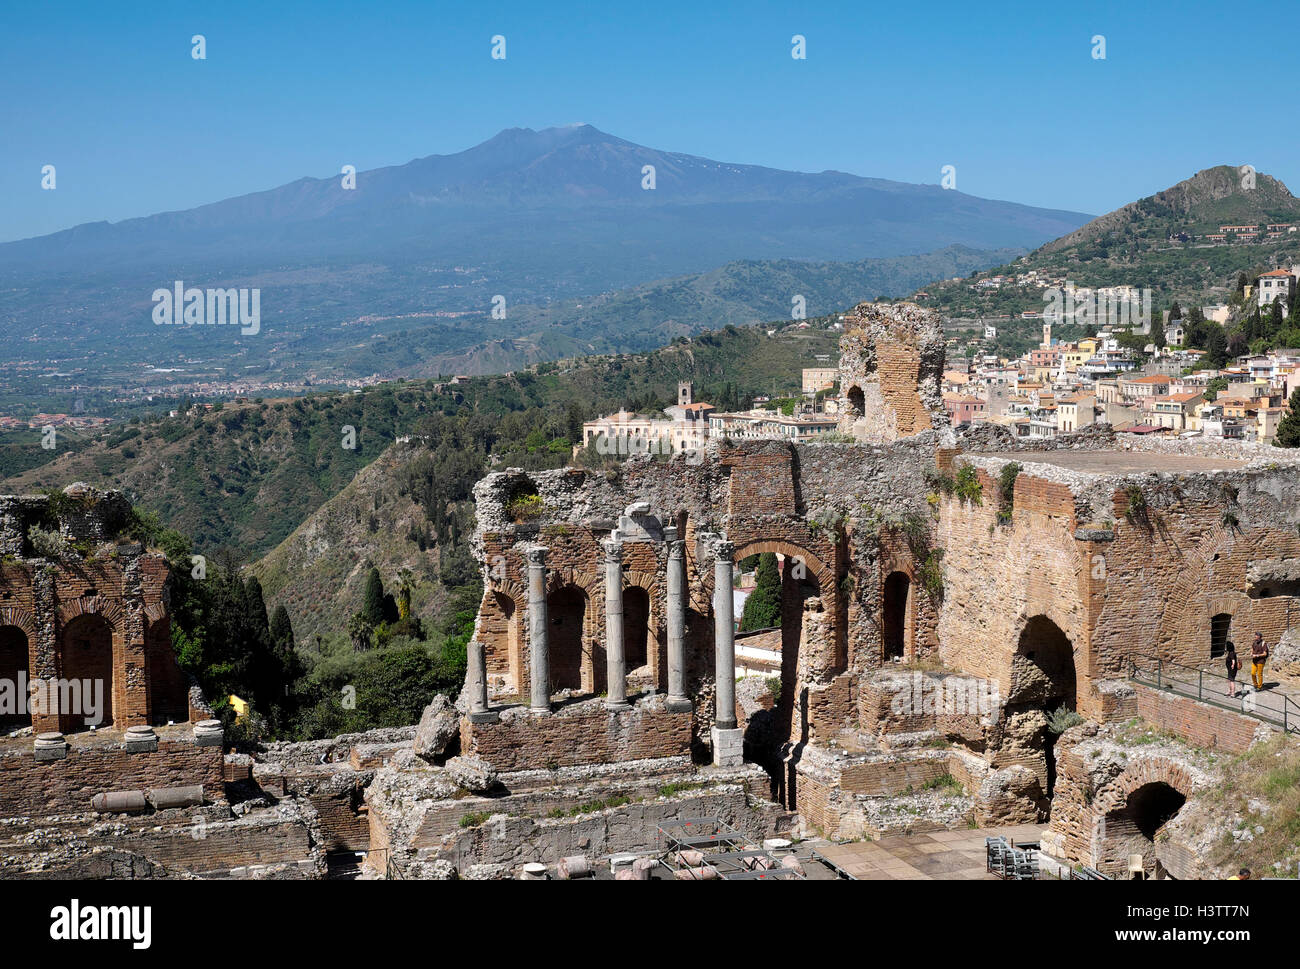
x: 763, y: 607
x: 281, y: 628
x: 1288, y: 429
x: 372, y: 602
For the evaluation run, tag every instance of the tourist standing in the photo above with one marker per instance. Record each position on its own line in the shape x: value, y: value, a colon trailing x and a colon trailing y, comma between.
x: 1258, y: 656
x: 1234, y: 667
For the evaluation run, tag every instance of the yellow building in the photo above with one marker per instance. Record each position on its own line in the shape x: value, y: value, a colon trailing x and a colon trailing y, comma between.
x: 1071, y: 357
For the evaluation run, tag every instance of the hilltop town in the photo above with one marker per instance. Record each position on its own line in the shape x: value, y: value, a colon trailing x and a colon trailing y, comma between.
x: 1140, y: 380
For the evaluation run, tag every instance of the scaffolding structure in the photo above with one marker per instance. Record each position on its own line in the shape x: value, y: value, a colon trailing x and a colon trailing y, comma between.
x: 731, y: 853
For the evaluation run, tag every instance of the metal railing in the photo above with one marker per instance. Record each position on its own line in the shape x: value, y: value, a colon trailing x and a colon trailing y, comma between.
x: 1211, y: 686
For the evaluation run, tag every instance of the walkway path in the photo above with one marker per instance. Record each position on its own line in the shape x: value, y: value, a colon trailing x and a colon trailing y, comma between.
x: 933, y: 856
x: 1276, y: 704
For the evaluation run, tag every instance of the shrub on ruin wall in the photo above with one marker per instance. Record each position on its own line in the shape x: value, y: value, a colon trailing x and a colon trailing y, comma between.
x: 526, y: 508
x: 966, y: 485
x: 1136, y: 509
x: 930, y: 573
x: 47, y: 543
x: 1007, y: 492
x: 1062, y: 719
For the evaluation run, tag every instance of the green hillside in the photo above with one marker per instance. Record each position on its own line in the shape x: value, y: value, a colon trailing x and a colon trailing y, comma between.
x: 249, y: 475
x: 1159, y: 242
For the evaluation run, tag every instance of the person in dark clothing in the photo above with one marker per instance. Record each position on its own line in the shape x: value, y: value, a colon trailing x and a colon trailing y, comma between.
x: 1233, y: 664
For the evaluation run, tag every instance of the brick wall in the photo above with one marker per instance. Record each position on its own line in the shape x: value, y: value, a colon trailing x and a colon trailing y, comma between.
x: 530, y: 742
x: 1200, y: 724
x: 32, y: 788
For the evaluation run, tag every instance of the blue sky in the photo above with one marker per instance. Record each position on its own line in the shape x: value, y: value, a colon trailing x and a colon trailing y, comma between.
x: 1008, y: 93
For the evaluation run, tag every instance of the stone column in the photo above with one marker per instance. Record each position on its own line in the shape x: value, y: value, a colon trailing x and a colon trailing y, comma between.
x: 728, y: 740
x: 615, y: 658
x: 539, y: 666
x: 678, y: 701
x: 724, y: 638
x: 476, y: 679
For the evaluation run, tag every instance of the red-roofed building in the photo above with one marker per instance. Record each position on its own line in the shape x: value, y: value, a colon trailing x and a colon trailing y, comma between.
x: 1279, y: 282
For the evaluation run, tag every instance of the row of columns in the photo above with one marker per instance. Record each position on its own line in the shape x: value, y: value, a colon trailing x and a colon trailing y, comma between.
x: 616, y: 659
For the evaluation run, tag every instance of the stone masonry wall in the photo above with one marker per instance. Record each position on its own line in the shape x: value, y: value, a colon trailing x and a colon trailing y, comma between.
x: 38, y: 788
x: 562, y: 740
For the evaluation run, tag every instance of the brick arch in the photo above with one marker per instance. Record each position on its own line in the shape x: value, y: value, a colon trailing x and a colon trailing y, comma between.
x: 656, y: 632
x: 13, y: 616
x: 511, y: 589
x: 1151, y: 770
x: 854, y: 400
x: 110, y: 610
x: 505, y: 646
x: 816, y: 567
x: 105, y: 661
x: 1189, y: 592
x: 1199, y: 593
x: 1122, y: 815
x: 1066, y: 628
x: 588, y: 582
x: 573, y: 660
x: 22, y: 659
x: 167, y: 687
x: 637, y: 579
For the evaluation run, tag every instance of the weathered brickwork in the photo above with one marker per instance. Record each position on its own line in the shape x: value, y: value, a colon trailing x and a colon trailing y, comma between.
x: 1200, y: 724
x: 1101, y: 553
x: 891, y: 363
x: 564, y: 740
x: 1118, y: 582
x: 96, y: 614
x: 1113, y: 800
x: 32, y: 788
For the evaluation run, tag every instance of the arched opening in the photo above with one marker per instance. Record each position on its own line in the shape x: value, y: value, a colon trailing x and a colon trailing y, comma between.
x: 781, y: 594
x: 895, y: 624
x: 1042, y: 671
x: 499, y: 629
x: 566, y: 608
x: 857, y: 402
x: 636, y: 627
x: 15, y: 712
x: 168, y: 691
x: 1043, y: 678
x: 87, y: 651
x: 1152, y: 806
x: 1131, y: 828
x: 1220, y: 627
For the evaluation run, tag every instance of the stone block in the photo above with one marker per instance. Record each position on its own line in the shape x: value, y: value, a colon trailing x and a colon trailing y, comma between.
x: 728, y: 747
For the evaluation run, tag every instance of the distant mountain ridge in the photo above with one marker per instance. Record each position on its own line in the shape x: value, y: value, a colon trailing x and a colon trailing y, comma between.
x: 535, y: 217
x: 740, y: 293
x: 522, y: 169
x: 1200, y: 204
